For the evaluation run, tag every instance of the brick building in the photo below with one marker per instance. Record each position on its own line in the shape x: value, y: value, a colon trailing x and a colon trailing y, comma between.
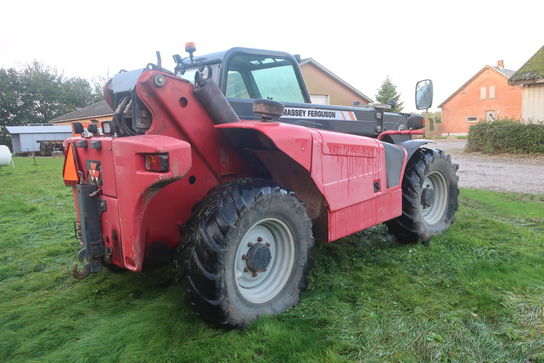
x: 486, y: 96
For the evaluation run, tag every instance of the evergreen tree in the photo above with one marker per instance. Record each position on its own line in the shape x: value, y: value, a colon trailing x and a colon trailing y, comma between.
x: 388, y: 94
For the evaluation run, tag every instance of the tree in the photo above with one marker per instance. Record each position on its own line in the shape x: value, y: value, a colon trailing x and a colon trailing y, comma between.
x: 38, y: 94
x: 98, y: 86
x: 388, y: 94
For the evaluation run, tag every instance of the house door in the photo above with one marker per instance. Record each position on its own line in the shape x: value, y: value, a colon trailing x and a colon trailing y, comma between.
x: 490, y: 115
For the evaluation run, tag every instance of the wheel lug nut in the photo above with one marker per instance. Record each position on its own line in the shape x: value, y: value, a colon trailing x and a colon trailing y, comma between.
x: 259, y: 239
x: 254, y: 274
x: 267, y: 244
x: 250, y: 244
x: 244, y: 257
x: 246, y: 269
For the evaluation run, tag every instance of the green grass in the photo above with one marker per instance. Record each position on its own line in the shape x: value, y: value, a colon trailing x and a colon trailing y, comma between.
x: 474, y: 294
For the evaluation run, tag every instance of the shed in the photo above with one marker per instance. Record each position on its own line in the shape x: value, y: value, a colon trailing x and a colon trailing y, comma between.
x: 25, y: 138
x: 531, y: 77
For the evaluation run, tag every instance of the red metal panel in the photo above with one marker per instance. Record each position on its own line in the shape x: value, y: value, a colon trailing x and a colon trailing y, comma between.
x: 111, y: 230
x: 365, y: 214
x: 349, y: 167
x: 137, y: 186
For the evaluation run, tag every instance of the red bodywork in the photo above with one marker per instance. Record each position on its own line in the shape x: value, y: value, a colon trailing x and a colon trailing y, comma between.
x: 341, y: 178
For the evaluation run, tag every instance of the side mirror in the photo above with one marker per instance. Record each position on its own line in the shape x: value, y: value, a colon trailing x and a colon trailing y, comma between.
x: 424, y: 94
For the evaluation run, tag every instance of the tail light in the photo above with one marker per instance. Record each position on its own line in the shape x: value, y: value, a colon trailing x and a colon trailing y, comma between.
x: 156, y: 162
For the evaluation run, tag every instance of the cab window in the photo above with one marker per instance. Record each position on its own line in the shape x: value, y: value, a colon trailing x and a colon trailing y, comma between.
x: 253, y: 76
x: 236, y: 86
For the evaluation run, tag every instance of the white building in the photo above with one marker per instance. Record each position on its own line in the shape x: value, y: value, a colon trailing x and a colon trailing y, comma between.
x: 531, y: 77
x: 25, y: 138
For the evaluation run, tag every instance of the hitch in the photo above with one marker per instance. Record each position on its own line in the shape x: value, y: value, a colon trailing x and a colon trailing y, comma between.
x: 92, y: 266
x: 80, y: 275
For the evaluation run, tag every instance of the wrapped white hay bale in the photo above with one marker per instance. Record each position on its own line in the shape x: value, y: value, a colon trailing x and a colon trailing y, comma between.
x: 5, y: 155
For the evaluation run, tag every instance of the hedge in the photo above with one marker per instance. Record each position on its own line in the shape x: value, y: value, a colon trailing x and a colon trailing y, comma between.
x: 506, y: 136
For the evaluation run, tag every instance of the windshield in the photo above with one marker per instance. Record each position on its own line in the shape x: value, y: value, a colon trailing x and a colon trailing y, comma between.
x: 255, y: 76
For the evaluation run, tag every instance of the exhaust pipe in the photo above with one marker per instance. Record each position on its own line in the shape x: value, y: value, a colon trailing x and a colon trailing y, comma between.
x: 216, y: 104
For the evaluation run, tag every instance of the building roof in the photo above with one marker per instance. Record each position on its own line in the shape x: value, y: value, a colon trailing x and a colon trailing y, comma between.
x: 95, y: 110
x: 38, y: 129
x: 335, y: 77
x: 507, y: 72
x: 503, y: 71
x: 532, y: 71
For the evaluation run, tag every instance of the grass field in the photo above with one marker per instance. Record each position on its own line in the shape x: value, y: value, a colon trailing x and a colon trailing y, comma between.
x: 474, y: 294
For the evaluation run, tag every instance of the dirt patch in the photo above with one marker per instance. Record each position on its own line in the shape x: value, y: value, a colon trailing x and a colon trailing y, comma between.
x: 503, y: 172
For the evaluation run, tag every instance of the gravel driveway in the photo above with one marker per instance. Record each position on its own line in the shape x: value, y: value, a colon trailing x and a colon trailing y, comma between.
x: 505, y: 173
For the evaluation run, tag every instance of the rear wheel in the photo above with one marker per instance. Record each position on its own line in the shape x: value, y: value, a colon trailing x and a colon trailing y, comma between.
x: 429, y: 197
x: 246, y: 252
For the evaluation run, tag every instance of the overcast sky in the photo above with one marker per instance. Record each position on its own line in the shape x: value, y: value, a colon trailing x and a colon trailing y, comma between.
x: 360, y: 41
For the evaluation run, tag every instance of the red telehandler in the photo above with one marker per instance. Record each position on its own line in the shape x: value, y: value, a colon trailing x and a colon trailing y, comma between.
x: 225, y: 166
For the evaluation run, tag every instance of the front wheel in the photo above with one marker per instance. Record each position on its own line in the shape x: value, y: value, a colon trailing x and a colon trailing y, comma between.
x: 429, y: 197
x: 246, y: 252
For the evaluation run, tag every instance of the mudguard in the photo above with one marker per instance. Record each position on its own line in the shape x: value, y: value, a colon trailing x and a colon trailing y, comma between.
x: 294, y: 141
x: 412, y: 145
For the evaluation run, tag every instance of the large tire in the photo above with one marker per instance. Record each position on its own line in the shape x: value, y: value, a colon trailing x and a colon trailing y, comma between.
x: 246, y: 252
x: 429, y: 197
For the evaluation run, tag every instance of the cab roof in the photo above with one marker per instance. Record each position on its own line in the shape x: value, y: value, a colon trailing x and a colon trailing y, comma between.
x: 221, y: 57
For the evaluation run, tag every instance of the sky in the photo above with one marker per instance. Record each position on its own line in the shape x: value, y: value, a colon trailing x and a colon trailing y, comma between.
x: 363, y: 42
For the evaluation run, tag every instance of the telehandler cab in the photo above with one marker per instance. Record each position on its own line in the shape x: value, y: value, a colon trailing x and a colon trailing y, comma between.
x: 226, y: 166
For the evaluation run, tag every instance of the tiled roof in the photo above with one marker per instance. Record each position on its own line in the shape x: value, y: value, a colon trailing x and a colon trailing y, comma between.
x: 96, y: 109
x: 507, y: 72
x: 532, y: 71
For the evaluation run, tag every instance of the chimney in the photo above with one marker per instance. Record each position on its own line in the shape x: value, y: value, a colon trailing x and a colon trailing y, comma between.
x: 500, y: 64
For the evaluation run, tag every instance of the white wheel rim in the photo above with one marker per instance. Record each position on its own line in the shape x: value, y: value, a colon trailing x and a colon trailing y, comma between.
x: 262, y: 286
x: 436, y: 182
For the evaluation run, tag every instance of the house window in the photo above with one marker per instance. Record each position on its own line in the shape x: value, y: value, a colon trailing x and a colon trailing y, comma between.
x: 492, y: 92
x: 472, y: 118
x: 320, y: 99
x: 483, y: 93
